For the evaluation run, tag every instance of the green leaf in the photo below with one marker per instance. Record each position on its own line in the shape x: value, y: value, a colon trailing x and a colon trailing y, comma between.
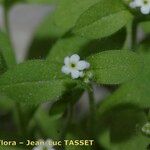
x: 114, y: 66
x: 145, y: 26
x: 50, y: 125
x: 34, y: 82
x: 123, y: 128
x: 48, y: 28
x: 10, y: 147
x: 3, y: 66
x: 135, y: 92
x: 41, y: 1
x: 102, y: 19
x: 84, y: 47
x: 8, y: 3
x: 6, y: 50
x: 69, y: 11
x: 138, y: 142
x: 66, y: 47
x: 70, y: 97
x: 126, y: 130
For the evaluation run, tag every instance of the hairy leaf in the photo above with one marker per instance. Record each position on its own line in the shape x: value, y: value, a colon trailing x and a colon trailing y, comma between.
x: 114, y: 66
x: 34, y: 82
x: 102, y: 19
x: 135, y: 92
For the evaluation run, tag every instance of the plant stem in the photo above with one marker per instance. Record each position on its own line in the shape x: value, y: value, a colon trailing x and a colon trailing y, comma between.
x: 6, y: 20
x: 131, y: 39
x: 67, y: 122
x: 128, y: 41
x: 92, y: 120
x: 134, y: 35
x: 21, y: 124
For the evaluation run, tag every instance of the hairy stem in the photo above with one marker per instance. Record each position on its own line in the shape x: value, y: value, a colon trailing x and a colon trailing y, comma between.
x: 134, y: 35
x: 92, y: 119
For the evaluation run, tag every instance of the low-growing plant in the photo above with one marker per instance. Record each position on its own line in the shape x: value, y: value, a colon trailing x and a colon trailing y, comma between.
x: 82, y: 44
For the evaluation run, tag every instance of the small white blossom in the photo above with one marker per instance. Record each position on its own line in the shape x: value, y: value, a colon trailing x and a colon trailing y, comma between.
x: 146, y: 128
x: 144, y: 6
x: 45, y: 146
x: 74, y: 66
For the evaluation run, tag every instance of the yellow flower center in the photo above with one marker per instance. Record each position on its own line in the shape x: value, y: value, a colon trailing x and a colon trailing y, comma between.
x: 73, y: 65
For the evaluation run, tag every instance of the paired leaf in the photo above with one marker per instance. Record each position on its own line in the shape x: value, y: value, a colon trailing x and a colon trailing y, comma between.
x: 102, y: 19
x: 6, y: 50
x: 115, y: 66
x: 34, y: 82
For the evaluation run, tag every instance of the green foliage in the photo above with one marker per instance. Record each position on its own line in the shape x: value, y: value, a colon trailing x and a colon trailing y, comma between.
x: 73, y: 147
x: 33, y: 82
x: 49, y: 126
x: 145, y: 26
x: 6, y: 50
x: 41, y: 1
x: 10, y: 147
x: 135, y: 92
x: 3, y: 66
x: 95, y: 22
x: 128, y: 135
x: 98, y: 31
x: 69, y: 11
x: 66, y: 47
x: 114, y: 67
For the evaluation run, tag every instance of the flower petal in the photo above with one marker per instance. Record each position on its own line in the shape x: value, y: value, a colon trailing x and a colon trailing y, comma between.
x: 40, y: 147
x: 82, y: 74
x: 74, y: 58
x: 50, y: 149
x: 48, y: 143
x: 82, y: 65
x: 145, y: 10
x: 65, y: 70
x: 133, y: 5
x: 75, y: 74
x: 67, y: 60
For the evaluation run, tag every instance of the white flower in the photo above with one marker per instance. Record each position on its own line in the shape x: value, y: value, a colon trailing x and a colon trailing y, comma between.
x: 146, y: 128
x: 45, y: 146
x: 74, y: 66
x: 144, y: 5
